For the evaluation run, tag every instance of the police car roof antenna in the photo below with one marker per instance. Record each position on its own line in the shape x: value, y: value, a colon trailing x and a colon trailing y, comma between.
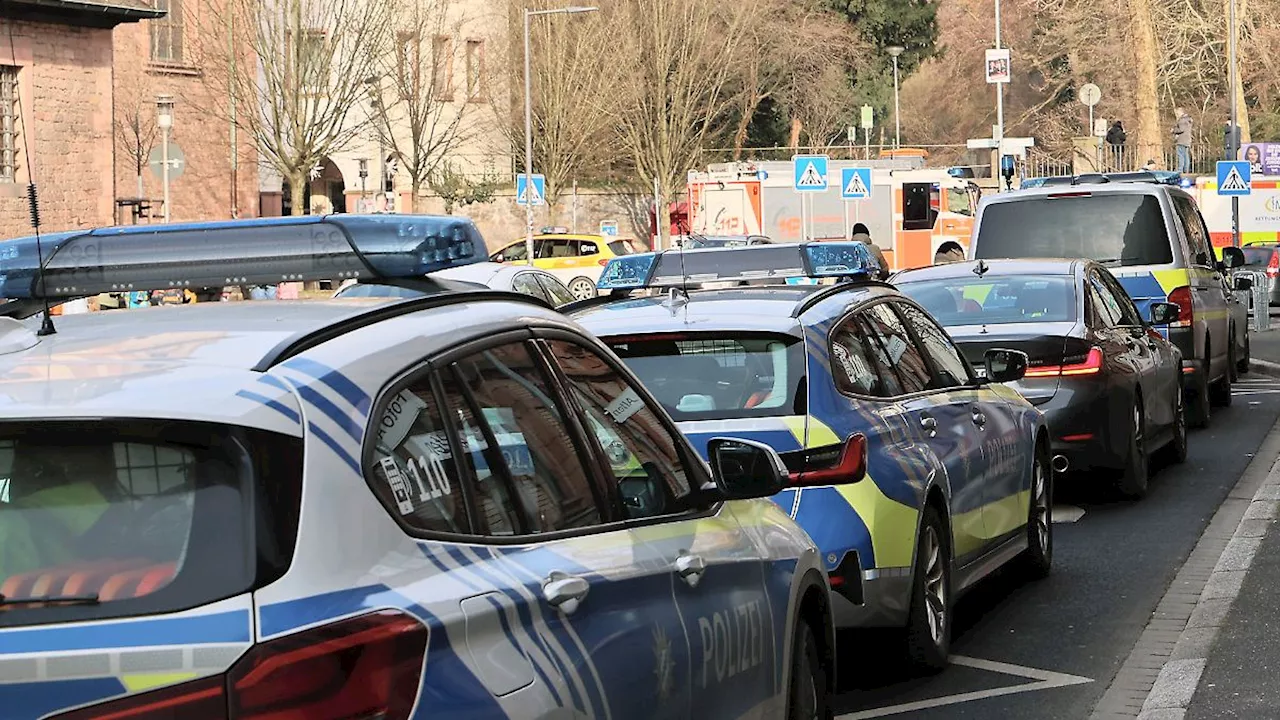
x: 33, y: 205
x: 981, y: 268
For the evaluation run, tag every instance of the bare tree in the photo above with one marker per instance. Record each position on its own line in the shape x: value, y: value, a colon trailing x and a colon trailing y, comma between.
x: 313, y: 57
x: 134, y: 126
x: 575, y: 79
x: 683, y: 56
x: 421, y: 113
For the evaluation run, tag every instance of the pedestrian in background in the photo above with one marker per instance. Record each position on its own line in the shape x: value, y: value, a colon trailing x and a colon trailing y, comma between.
x: 948, y: 252
x: 1182, y: 139
x: 861, y: 233
x: 1116, y: 137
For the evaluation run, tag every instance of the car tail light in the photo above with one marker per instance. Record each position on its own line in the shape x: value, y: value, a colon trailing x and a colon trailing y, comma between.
x: 842, y: 463
x: 1088, y: 364
x: 1181, y: 296
x: 1273, y: 267
x: 364, y: 668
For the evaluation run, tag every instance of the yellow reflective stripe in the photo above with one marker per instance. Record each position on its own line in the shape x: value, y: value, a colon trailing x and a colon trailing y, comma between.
x: 891, y: 524
x: 1170, y: 279
x: 795, y: 423
x: 820, y: 434
x: 150, y: 681
x: 968, y: 531
x: 1007, y: 514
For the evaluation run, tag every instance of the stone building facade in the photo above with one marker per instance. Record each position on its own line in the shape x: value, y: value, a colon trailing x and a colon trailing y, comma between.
x: 55, y: 110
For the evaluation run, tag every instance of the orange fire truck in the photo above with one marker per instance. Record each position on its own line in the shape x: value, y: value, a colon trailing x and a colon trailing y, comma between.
x: 911, y: 210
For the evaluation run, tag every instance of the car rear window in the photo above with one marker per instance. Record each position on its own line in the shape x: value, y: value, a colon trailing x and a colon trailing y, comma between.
x: 621, y: 247
x: 1257, y: 255
x: 133, y: 517
x: 717, y: 376
x: 1112, y: 228
x: 996, y: 300
x: 372, y: 290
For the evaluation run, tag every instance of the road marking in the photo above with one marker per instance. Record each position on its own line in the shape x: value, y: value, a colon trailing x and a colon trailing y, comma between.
x: 1044, y: 680
x: 1067, y: 513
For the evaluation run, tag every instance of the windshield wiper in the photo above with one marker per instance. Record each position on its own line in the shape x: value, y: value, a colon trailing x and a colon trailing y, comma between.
x: 86, y: 599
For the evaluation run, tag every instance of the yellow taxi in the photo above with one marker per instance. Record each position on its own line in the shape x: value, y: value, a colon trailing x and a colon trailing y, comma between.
x: 575, y: 259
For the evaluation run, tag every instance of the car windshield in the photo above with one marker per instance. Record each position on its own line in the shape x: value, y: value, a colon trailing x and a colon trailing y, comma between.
x: 1254, y: 256
x: 1113, y: 228
x: 376, y: 290
x: 716, y: 376
x: 131, y: 516
x: 996, y: 300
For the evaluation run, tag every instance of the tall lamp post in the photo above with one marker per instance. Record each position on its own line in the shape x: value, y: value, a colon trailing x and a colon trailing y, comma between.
x: 895, y: 51
x: 528, y: 121
x: 364, y: 174
x: 1233, y: 131
x: 164, y: 118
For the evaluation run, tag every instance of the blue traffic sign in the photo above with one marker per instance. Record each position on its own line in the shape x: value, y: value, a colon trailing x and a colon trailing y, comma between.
x: 539, y: 190
x: 809, y: 173
x: 855, y: 183
x: 1235, y: 178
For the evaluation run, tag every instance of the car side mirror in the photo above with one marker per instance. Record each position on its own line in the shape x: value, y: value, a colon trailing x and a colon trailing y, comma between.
x: 1233, y: 257
x: 745, y: 469
x: 1244, y: 283
x: 497, y: 257
x: 1163, y: 313
x: 1004, y: 366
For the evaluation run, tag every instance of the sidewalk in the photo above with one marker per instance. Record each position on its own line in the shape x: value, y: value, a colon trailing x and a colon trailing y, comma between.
x: 1226, y: 658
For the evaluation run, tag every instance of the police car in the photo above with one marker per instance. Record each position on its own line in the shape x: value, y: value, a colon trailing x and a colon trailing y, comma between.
x: 454, y: 505
x: 843, y: 375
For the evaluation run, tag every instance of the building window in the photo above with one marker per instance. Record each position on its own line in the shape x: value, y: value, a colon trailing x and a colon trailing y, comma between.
x: 8, y: 123
x: 308, y: 64
x: 166, y: 32
x: 409, y: 60
x: 475, y: 69
x: 442, y: 67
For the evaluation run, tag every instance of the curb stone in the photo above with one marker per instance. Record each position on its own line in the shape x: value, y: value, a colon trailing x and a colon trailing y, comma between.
x: 1264, y: 367
x: 1161, y: 673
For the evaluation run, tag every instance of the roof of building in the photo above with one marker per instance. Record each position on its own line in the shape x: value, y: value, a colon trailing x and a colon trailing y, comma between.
x: 83, y: 13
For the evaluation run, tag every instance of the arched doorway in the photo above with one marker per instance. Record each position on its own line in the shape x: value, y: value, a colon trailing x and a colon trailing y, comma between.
x: 324, y: 180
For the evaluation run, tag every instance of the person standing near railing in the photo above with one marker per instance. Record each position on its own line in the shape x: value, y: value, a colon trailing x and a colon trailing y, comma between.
x: 1116, y: 137
x: 1182, y: 139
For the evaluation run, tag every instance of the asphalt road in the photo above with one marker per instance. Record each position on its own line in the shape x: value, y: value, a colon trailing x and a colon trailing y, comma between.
x: 1063, y: 639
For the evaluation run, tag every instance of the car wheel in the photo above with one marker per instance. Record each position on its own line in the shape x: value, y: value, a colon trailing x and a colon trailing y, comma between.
x: 929, y: 620
x: 582, y: 288
x: 1038, y: 557
x: 807, y: 699
x: 1220, y: 391
x: 1242, y: 364
x: 1233, y: 368
x: 1199, y: 409
x: 1133, y: 479
x: 1177, y: 448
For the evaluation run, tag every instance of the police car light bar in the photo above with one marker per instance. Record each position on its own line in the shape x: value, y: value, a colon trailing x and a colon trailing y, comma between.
x: 676, y: 268
x: 262, y: 251
x: 1158, y: 177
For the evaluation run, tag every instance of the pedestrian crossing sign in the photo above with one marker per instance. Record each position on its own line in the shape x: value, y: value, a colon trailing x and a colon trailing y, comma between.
x: 539, y: 190
x: 855, y: 183
x: 1235, y: 178
x: 809, y: 173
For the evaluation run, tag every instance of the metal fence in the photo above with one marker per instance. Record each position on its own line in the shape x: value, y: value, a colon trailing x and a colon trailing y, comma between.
x: 1112, y: 158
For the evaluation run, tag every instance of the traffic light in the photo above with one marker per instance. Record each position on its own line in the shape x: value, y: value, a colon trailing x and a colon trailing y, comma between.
x: 1230, y: 141
x: 1007, y: 170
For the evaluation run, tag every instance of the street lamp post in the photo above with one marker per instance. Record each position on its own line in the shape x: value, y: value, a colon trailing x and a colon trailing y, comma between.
x: 164, y: 118
x: 364, y: 173
x: 528, y: 122
x: 1234, y: 129
x: 895, y: 51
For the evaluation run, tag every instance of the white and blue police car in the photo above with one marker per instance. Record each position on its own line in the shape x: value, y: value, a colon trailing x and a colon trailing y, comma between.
x: 453, y: 505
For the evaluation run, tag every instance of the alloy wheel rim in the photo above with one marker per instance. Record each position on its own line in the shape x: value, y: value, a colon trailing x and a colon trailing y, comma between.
x: 1180, y: 418
x: 1042, y: 508
x: 581, y: 290
x: 1139, y: 443
x: 935, y: 591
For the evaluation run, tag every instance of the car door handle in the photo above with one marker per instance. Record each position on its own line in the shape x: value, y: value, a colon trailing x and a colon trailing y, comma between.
x: 930, y: 425
x: 690, y: 568
x: 565, y: 592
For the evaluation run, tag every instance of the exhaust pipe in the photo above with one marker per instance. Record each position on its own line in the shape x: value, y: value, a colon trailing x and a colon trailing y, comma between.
x: 1060, y: 463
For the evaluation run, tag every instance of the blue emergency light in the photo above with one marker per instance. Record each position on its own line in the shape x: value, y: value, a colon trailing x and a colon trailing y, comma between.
x: 1157, y: 177
x: 262, y: 251
x: 751, y: 263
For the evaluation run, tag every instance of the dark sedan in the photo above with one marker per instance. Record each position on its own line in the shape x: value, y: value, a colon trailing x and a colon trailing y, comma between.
x: 1108, y: 383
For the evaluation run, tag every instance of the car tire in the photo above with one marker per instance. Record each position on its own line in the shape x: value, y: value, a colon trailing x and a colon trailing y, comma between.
x: 1199, y: 408
x: 1136, y: 472
x: 1038, y: 557
x: 1220, y: 391
x: 808, y: 697
x: 1242, y: 364
x: 582, y: 288
x: 1176, y: 450
x: 1233, y: 367
x: 929, y: 619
